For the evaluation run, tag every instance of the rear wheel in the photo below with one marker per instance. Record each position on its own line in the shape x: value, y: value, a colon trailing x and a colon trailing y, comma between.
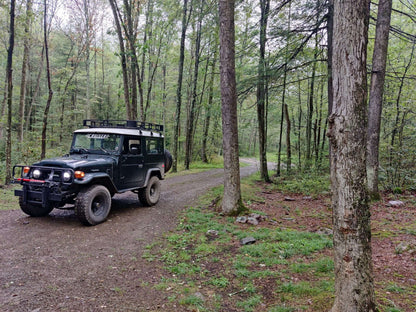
x: 93, y: 205
x: 149, y: 196
x: 34, y: 210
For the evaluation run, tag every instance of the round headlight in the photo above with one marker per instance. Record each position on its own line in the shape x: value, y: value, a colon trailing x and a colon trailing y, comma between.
x: 36, y: 173
x: 66, y: 176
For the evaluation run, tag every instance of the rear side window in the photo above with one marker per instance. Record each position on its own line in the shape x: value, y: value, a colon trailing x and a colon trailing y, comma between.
x: 154, y: 146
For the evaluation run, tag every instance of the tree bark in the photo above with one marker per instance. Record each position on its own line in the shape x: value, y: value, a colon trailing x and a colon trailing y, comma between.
x: 9, y: 73
x: 354, y: 289
x: 48, y: 76
x: 191, y: 116
x: 261, y: 91
x: 25, y: 63
x: 378, y: 74
x: 204, y: 156
x: 179, y: 88
x: 123, y: 59
x: 232, y: 203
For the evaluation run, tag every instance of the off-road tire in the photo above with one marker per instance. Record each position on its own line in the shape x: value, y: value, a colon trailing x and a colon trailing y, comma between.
x: 34, y: 210
x: 93, y: 204
x: 149, y: 196
x: 168, y: 160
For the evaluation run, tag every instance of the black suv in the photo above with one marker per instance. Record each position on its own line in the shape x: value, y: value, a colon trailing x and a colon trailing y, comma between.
x: 106, y: 157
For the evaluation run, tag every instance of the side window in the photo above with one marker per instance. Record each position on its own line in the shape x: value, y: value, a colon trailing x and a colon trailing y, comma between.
x: 132, y: 146
x: 135, y: 147
x: 154, y: 146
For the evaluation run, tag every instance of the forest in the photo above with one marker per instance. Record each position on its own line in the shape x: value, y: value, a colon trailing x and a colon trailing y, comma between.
x: 158, y: 61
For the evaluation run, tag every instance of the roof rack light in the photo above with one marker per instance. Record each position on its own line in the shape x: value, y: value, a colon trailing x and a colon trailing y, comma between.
x: 126, y: 124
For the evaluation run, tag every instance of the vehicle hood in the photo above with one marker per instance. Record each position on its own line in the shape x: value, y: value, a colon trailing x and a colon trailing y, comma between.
x: 78, y: 161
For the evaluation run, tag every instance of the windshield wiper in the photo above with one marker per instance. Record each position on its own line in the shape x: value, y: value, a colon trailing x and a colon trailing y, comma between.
x: 79, y: 150
x: 104, y: 150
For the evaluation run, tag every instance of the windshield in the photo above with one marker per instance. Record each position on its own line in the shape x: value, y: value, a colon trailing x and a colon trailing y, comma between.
x: 96, y: 142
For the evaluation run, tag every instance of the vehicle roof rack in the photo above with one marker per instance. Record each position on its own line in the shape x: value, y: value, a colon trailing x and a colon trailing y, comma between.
x: 126, y: 124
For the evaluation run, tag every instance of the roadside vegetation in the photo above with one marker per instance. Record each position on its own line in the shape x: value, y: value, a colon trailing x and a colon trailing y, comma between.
x: 289, y: 267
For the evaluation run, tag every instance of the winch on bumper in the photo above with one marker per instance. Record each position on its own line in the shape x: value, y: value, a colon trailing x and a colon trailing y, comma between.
x: 44, y: 186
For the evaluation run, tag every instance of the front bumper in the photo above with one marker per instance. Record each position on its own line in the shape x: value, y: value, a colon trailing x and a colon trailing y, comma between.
x: 49, y: 190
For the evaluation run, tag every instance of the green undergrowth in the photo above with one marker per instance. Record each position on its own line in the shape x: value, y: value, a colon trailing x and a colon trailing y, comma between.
x: 7, y: 199
x: 309, y: 183
x: 207, y: 269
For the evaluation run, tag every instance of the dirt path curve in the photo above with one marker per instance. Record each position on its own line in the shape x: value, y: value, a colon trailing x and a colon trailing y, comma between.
x: 57, y: 264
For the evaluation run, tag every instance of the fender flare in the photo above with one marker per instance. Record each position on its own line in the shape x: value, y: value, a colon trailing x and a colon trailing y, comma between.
x: 152, y: 172
x: 103, y: 178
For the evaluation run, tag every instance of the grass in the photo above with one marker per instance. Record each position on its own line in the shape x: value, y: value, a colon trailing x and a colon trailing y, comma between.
x: 7, y: 199
x: 236, y: 274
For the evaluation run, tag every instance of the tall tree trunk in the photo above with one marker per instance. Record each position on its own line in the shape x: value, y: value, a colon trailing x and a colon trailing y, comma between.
x: 232, y: 203
x: 208, y: 109
x: 378, y: 74
x: 190, y: 121
x: 123, y: 59
x: 354, y: 289
x: 48, y: 76
x: 3, y: 107
x: 261, y: 91
x: 37, y: 88
x: 179, y: 87
x: 87, y: 55
x: 398, y: 109
x: 9, y: 73
x: 25, y: 63
x: 134, y: 69
x: 309, y: 115
x: 288, y: 125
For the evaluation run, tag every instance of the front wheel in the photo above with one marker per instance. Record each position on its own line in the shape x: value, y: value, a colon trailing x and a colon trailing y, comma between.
x: 34, y: 210
x: 149, y: 196
x: 93, y: 205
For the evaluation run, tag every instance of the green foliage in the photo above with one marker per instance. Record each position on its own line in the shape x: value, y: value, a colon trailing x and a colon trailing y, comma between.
x: 311, y: 183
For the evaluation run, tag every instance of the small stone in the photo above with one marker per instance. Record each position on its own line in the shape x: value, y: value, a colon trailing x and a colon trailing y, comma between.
x: 289, y: 199
x: 324, y: 231
x: 395, y: 203
x: 241, y: 219
x: 253, y: 221
x: 212, y: 232
x: 248, y: 241
x: 307, y: 197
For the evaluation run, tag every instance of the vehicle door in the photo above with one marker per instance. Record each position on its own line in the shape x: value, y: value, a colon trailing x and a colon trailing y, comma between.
x: 131, y: 164
x: 154, y: 153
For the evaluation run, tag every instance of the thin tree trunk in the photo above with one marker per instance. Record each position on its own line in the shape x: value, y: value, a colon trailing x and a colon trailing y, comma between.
x: 354, y: 289
x: 123, y: 59
x: 9, y: 73
x: 131, y: 39
x: 399, y: 95
x: 3, y: 107
x: 48, y: 76
x: 25, y: 63
x: 309, y: 115
x: 261, y: 91
x: 231, y: 203
x: 37, y: 88
x: 288, y: 125
x: 208, y: 109
x: 179, y: 88
x: 378, y: 74
x: 299, y: 126
x: 190, y: 122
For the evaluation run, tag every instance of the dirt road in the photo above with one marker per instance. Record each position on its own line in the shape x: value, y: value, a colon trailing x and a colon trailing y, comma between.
x: 57, y: 264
